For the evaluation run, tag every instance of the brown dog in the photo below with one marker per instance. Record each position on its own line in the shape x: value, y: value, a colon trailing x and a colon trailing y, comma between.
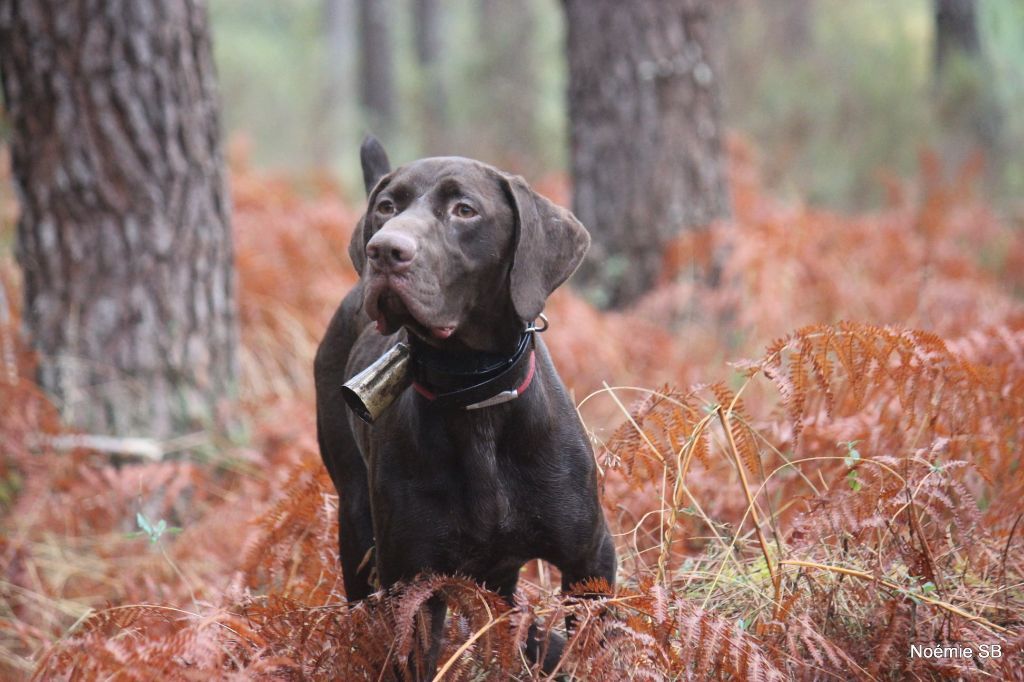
x: 483, y: 464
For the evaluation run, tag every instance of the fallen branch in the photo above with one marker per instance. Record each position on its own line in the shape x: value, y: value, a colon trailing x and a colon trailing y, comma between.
x: 144, y: 448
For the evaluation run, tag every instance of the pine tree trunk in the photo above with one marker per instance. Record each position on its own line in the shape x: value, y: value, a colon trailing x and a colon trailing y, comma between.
x: 508, y: 72
x: 789, y: 25
x: 123, y: 238
x: 427, y: 16
x: 966, y: 107
x: 956, y: 31
x: 647, y: 158
x: 376, y: 65
x: 338, y: 81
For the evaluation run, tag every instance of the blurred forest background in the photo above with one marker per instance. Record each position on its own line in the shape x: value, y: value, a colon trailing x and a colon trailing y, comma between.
x: 798, y: 343
x: 834, y: 93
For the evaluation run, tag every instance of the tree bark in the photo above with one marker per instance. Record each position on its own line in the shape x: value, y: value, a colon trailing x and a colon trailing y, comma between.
x: 966, y: 107
x: 789, y: 24
x: 338, y: 80
x: 123, y: 237
x: 956, y: 31
x: 427, y: 15
x: 646, y: 141
x: 376, y: 65
x: 508, y: 72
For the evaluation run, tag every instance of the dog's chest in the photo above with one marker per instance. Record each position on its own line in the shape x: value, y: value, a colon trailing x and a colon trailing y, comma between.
x: 473, y: 482
x: 480, y: 472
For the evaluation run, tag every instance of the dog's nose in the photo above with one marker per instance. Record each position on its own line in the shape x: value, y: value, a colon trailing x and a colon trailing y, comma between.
x: 391, y: 250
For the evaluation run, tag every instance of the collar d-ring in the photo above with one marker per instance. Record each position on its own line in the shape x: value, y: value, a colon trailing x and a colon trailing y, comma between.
x: 534, y: 328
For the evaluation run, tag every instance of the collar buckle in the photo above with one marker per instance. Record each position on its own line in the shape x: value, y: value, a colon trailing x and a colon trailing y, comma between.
x: 503, y: 397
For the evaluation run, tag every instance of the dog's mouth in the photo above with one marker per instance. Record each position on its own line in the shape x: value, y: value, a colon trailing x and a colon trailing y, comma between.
x: 390, y: 310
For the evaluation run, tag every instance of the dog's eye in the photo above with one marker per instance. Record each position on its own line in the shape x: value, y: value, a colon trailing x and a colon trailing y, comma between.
x: 386, y: 207
x: 463, y: 210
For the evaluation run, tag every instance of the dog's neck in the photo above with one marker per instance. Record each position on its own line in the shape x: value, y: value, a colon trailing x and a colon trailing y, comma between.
x: 488, y: 327
x: 470, y: 380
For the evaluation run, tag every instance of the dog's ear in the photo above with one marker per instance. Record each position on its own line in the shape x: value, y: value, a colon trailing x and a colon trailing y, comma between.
x: 549, y: 245
x: 375, y: 169
x: 374, y: 160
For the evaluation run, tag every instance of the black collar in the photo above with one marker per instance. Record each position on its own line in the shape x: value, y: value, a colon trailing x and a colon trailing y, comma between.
x: 471, y: 380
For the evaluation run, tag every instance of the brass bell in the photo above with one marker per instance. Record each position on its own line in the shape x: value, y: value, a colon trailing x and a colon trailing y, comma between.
x: 373, y: 390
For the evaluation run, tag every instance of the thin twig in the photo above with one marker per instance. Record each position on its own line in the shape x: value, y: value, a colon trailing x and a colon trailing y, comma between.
x: 686, y: 491
x: 893, y: 586
x: 750, y: 499
x: 468, y: 643
x: 1006, y: 552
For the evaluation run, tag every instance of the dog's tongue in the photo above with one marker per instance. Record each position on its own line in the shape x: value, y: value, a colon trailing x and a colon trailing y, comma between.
x: 442, y: 332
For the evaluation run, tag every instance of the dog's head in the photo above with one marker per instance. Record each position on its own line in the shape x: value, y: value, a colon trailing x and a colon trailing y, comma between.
x: 458, y: 252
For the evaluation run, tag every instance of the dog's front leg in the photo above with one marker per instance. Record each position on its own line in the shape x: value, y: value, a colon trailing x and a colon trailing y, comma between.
x: 428, y: 631
x: 437, y: 610
x: 598, y: 564
x: 355, y: 522
x: 542, y: 645
x: 355, y: 538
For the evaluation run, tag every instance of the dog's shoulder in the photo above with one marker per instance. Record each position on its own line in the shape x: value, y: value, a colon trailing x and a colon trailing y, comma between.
x: 346, y: 324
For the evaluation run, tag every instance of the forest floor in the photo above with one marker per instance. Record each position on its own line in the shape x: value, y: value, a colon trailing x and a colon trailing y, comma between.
x: 810, y: 470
